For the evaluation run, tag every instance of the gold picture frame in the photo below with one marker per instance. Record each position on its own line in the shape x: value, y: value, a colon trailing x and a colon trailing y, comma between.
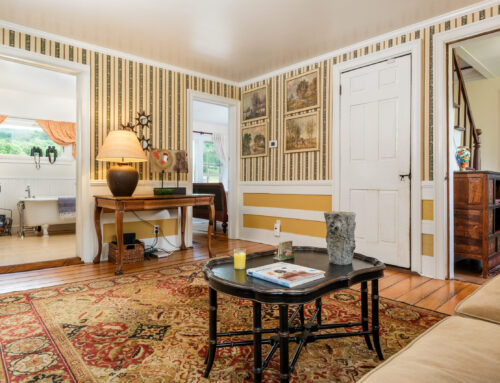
x: 302, y: 92
x: 301, y: 133
x: 255, y: 140
x: 252, y: 104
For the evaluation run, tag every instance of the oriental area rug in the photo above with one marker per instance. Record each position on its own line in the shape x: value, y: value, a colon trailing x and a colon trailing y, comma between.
x: 152, y: 326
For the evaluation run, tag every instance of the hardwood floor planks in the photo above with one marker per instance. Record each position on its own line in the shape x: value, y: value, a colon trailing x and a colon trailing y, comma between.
x: 397, y: 284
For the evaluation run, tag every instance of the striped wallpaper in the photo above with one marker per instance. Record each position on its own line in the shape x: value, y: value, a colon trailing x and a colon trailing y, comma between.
x: 121, y: 88
x: 278, y: 166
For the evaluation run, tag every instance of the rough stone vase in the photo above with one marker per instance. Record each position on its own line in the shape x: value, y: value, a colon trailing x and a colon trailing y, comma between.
x: 340, y: 237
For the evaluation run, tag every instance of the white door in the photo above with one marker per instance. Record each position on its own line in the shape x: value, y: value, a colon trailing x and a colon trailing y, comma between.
x: 375, y: 151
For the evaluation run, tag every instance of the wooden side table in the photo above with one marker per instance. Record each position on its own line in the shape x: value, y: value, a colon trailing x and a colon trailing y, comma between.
x: 149, y: 202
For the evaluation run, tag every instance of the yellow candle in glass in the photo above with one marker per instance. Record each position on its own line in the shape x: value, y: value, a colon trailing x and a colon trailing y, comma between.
x: 240, y: 256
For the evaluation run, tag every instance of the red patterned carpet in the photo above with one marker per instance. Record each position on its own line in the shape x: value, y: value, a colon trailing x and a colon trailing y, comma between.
x: 152, y: 326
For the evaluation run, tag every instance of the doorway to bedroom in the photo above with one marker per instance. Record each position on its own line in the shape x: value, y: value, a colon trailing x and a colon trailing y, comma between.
x: 38, y: 113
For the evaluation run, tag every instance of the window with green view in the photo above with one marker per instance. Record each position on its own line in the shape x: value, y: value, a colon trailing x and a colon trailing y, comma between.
x: 17, y: 138
x: 211, y: 163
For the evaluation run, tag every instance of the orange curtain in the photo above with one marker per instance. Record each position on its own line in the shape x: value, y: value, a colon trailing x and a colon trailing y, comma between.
x: 62, y: 133
x: 2, y: 118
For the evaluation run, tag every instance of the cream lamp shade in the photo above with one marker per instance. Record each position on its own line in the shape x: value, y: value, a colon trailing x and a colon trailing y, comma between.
x: 121, y: 146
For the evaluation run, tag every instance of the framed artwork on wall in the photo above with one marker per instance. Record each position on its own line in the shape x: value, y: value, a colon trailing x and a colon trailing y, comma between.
x: 254, y: 104
x: 302, y: 92
x: 301, y: 133
x: 254, y: 140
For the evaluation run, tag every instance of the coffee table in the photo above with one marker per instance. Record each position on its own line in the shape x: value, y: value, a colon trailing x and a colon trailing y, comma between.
x: 222, y: 277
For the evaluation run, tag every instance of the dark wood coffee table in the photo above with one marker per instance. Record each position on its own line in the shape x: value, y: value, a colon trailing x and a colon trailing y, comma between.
x: 222, y: 277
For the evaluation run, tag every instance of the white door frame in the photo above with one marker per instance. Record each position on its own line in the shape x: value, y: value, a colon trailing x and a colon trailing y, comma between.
x: 234, y: 149
x: 84, y: 217
x: 414, y: 49
x: 443, y: 157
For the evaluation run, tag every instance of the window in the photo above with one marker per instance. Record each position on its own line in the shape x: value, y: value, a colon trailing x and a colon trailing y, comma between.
x: 18, y: 136
x: 207, y: 166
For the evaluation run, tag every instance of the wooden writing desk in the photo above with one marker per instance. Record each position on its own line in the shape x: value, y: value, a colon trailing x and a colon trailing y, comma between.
x: 149, y: 202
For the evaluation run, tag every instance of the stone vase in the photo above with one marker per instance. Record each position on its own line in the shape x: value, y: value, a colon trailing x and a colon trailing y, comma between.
x: 340, y: 240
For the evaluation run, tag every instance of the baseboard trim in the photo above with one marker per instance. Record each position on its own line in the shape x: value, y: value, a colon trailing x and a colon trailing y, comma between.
x: 40, y: 265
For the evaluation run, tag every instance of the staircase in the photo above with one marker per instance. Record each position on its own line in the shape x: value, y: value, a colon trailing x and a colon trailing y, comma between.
x: 464, y: 122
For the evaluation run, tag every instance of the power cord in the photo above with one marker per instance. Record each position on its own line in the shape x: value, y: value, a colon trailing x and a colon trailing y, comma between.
x: 152, y: 248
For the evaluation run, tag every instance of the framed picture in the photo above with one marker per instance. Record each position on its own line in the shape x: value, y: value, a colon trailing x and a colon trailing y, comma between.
x: 254, y: 104
x: 302, y: 92
x: 254, y: 141
x: 301, y: 133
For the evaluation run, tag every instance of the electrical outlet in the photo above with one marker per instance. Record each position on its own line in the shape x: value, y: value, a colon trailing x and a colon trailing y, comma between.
x: 277, y: 228
x: 156, y: 229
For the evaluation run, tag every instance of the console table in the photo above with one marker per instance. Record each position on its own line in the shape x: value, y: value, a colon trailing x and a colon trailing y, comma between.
x: 222, y: 277
x: 149, y: 202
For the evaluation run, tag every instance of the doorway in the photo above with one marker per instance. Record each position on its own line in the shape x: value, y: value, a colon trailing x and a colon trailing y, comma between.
x: 377, y: 154
x: 213, y: 133
x: 474, y: 120
x: 35, y: 122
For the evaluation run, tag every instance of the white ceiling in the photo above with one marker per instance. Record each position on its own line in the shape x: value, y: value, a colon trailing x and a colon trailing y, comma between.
x: 231, y: 39
x: 210, y: 113
x: 483, y: 54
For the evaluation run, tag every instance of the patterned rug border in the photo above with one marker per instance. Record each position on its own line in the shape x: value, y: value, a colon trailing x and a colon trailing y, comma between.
x: 133, y: 273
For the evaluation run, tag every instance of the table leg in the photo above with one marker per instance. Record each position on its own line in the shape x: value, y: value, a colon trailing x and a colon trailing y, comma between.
x: 183, y: 227
x: 284, y: 336
x: 364, y: 312
x: 375, y: 324
x: 212, y: 330
x: 97, y: 224
x: 257, y: 339
x: 119, y: 238
x: 301, y: 315
x: 318, y: 307
x: 211, y: 218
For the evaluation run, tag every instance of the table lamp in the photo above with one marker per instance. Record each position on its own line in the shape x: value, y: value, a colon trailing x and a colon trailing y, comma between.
x: 122, y: 147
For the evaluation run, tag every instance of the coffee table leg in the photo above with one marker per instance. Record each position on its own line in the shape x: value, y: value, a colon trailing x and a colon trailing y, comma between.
x: 257, y: 339
x: 212, y: 299
x: 364, y: 312
x: 284, y: 336
x: 318, y: 307
x: 301, y: 315
x: 375, y: 325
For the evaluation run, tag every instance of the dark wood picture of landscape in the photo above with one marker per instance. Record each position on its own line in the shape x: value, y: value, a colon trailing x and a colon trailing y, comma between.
x: 301, y: 133
x: 302, y: 92
x: 254, y: 141
x: 254, y: 104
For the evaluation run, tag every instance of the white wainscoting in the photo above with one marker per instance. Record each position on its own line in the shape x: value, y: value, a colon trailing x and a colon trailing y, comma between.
x: 282, y: 187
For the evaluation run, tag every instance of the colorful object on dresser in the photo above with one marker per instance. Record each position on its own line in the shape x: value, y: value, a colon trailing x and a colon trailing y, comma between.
x: 164, y: 160
x: 152, y: 326
x: 240, y: 257
x: 462, y: 155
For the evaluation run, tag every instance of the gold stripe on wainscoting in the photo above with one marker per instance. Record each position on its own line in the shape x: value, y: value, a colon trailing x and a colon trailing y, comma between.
x: 428, y: 244
x: 428, y: 210
x: 289, y: 201
x: 141, y: 229
x: 288, y: 225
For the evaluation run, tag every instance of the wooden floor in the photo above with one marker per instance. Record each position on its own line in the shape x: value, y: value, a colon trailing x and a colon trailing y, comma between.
x: 399, y: 285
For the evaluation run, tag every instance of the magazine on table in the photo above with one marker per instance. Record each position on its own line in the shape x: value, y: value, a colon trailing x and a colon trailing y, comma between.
x: 286, y: 274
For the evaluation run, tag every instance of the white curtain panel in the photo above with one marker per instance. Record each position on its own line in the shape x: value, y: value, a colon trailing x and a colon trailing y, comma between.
x: 219, y: 141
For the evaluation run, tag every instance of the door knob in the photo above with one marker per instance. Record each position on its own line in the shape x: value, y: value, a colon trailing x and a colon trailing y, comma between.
x: 402, y: 176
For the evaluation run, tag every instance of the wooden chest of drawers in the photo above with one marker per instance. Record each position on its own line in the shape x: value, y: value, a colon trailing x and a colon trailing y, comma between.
x: 477, y: 217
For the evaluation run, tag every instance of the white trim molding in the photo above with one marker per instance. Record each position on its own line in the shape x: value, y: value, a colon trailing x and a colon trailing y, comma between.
x: 234, y: 150
x: 443, y: 156
x: 84, y: 221
x: 414, y: 49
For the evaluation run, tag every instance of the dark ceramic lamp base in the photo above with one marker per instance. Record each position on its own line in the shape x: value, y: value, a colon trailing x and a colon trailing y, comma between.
x: 122, y: 180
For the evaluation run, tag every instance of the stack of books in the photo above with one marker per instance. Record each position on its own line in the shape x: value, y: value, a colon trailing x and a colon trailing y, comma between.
x: 286, y: 274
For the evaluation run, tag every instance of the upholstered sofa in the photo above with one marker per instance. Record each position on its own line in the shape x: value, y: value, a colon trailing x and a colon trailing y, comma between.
x: 220, y: 203
x: 464, y: 347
